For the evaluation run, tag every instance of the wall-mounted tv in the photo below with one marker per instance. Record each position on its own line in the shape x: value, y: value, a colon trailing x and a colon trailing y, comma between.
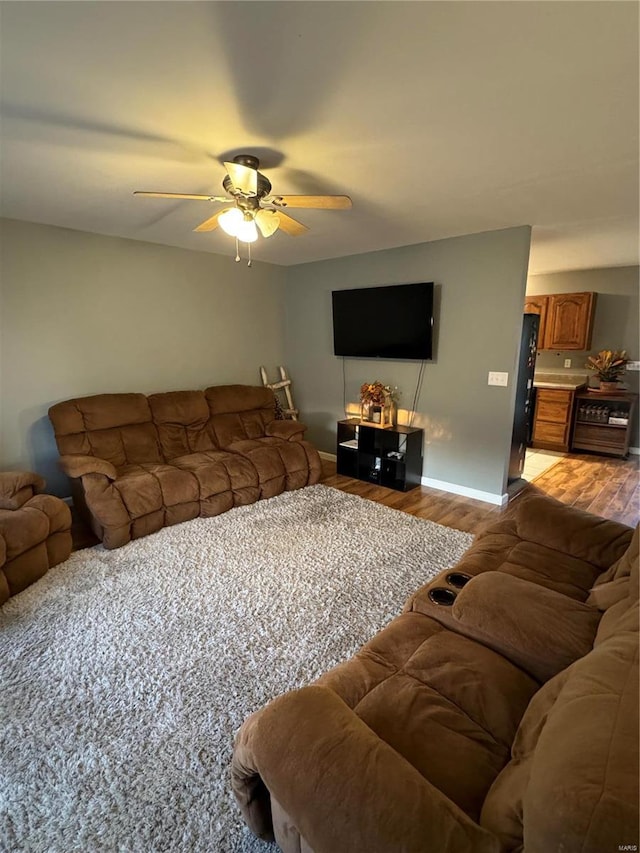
x: 394, y: 321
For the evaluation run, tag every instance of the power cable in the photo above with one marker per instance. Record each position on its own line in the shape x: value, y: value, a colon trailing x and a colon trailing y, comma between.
x: 416, y: 396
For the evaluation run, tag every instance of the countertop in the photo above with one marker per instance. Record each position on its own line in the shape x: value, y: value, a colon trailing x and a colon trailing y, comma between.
x: 560, y: 381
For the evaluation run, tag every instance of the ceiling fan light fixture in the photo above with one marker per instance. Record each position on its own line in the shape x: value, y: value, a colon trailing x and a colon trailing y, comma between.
x: 246, y: 230
x: 239, y: 225
x: 230, y: 220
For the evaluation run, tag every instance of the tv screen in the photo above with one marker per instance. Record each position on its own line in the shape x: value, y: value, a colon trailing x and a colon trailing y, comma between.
x: 394, y: 321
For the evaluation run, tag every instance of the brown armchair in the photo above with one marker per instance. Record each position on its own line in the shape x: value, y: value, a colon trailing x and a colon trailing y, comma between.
x: 35, y: 531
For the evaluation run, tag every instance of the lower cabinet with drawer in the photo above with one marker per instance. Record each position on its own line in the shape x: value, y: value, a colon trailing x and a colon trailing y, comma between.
x: 552, y: 420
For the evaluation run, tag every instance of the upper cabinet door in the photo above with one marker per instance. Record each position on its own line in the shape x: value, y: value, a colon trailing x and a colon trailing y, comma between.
x: 569, y: 321
x: 538, y: 305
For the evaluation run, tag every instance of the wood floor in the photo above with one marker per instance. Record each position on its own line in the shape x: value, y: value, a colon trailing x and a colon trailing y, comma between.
x: 605, y: 486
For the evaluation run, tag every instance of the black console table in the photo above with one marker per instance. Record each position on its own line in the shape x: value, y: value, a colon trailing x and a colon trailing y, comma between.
x: 389, y: 457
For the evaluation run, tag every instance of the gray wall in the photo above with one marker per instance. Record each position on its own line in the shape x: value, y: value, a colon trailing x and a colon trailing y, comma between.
x: 480, y: 289
x: 85, y: 314
x: 616, y: 322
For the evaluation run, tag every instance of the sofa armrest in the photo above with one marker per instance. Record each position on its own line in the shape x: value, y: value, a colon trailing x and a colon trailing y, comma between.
x: 76, y: 465
x: 538, y: 629
x: 342, y: 787
x: 571, y: 531
x: 288, y: 430
x: 17, y: 487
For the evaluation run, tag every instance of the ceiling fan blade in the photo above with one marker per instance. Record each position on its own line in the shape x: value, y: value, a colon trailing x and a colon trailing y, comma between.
x: 319, y: 202
x: 191, y: 196
x: 243, y: 178
x: 268, y: 221
x: 211, y: 223
x: 290, y: 225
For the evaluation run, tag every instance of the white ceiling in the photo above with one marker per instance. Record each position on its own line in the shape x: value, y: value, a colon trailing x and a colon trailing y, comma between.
x: 437, y: 118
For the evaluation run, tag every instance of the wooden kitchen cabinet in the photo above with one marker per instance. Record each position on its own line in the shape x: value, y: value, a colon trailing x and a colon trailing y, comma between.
x: 566, y: 319
x: 570, y: 321
x: 552, y: 420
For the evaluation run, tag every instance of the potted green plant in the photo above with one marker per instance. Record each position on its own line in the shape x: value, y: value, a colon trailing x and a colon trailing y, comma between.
x: 609, y: 365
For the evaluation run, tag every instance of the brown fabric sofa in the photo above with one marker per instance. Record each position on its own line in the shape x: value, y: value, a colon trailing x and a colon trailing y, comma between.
x: 505, y: 721
x: 138, y: 463
x: 35, y: 531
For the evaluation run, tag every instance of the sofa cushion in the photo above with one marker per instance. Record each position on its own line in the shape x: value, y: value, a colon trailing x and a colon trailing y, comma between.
x: 141, y: 500
x: 22, y: 529
x: 182, y: 419
x: 281, y: 465
x: 33, y: 538
x: 231, y: 399
x: 147, y: 488
x: 616, y: 592
x: 620, y: 580
x: 115, y: 427
x: 516, y: 618
x: 448, y: 705
x: 16, y: 487
x: 571, y: 531
x: 218, y: 472
x: 238, y: 412
x: 572, y: 783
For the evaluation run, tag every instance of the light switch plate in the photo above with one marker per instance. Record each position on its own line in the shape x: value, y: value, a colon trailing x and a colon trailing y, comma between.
x: 498, y: 378
x: 633, y: 365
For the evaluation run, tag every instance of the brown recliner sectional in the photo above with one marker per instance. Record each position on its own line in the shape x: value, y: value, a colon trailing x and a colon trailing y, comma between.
x: 35, y: 531
x: 505, y: 719
x: 139, y: 463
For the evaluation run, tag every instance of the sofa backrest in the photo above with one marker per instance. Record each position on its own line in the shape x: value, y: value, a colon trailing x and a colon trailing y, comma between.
x: 183, y: 422
x: 574, y: 772
x: 617, y: 590
x: 128, y: 429
x: 239, y: 412
x: 115, y: 427
x: 574, y: 769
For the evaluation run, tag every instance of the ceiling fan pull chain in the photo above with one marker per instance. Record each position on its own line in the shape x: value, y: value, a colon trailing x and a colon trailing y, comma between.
x: 249, y: 250
x: 237, y: 252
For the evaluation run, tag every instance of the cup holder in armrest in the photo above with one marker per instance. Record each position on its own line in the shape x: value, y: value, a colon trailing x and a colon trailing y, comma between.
x: 441, y: 595
x: 458, y: 579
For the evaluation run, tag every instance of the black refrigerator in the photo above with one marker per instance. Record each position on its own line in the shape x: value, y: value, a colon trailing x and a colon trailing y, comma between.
x: 525, y: 396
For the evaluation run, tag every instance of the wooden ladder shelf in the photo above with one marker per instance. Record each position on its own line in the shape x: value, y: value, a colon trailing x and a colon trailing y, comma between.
x: 284, y: 384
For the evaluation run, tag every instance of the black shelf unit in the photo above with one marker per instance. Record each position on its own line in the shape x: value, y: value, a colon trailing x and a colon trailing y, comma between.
x: 390, y: 457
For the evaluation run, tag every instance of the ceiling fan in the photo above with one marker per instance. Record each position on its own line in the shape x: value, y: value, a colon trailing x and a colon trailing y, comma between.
x: 253, y: 207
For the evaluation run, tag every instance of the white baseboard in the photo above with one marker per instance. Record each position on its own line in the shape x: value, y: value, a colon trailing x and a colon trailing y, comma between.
x: 635, y: 451
x: 465, y: 491
x: 453, y: 488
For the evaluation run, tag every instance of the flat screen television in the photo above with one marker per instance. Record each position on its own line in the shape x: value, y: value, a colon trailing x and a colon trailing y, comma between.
x: 394, y: 321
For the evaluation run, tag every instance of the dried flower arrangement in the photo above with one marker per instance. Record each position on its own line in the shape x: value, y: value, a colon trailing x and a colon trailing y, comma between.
x: 609, y: 365
x: 377, y: 394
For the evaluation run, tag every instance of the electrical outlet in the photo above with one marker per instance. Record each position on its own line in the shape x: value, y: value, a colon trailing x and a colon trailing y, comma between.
x: 633, y: 365
x: 497, y: 378
x: 567, y: 362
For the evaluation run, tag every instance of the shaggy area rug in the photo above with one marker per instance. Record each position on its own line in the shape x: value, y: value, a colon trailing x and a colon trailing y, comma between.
x: 125, y: 674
